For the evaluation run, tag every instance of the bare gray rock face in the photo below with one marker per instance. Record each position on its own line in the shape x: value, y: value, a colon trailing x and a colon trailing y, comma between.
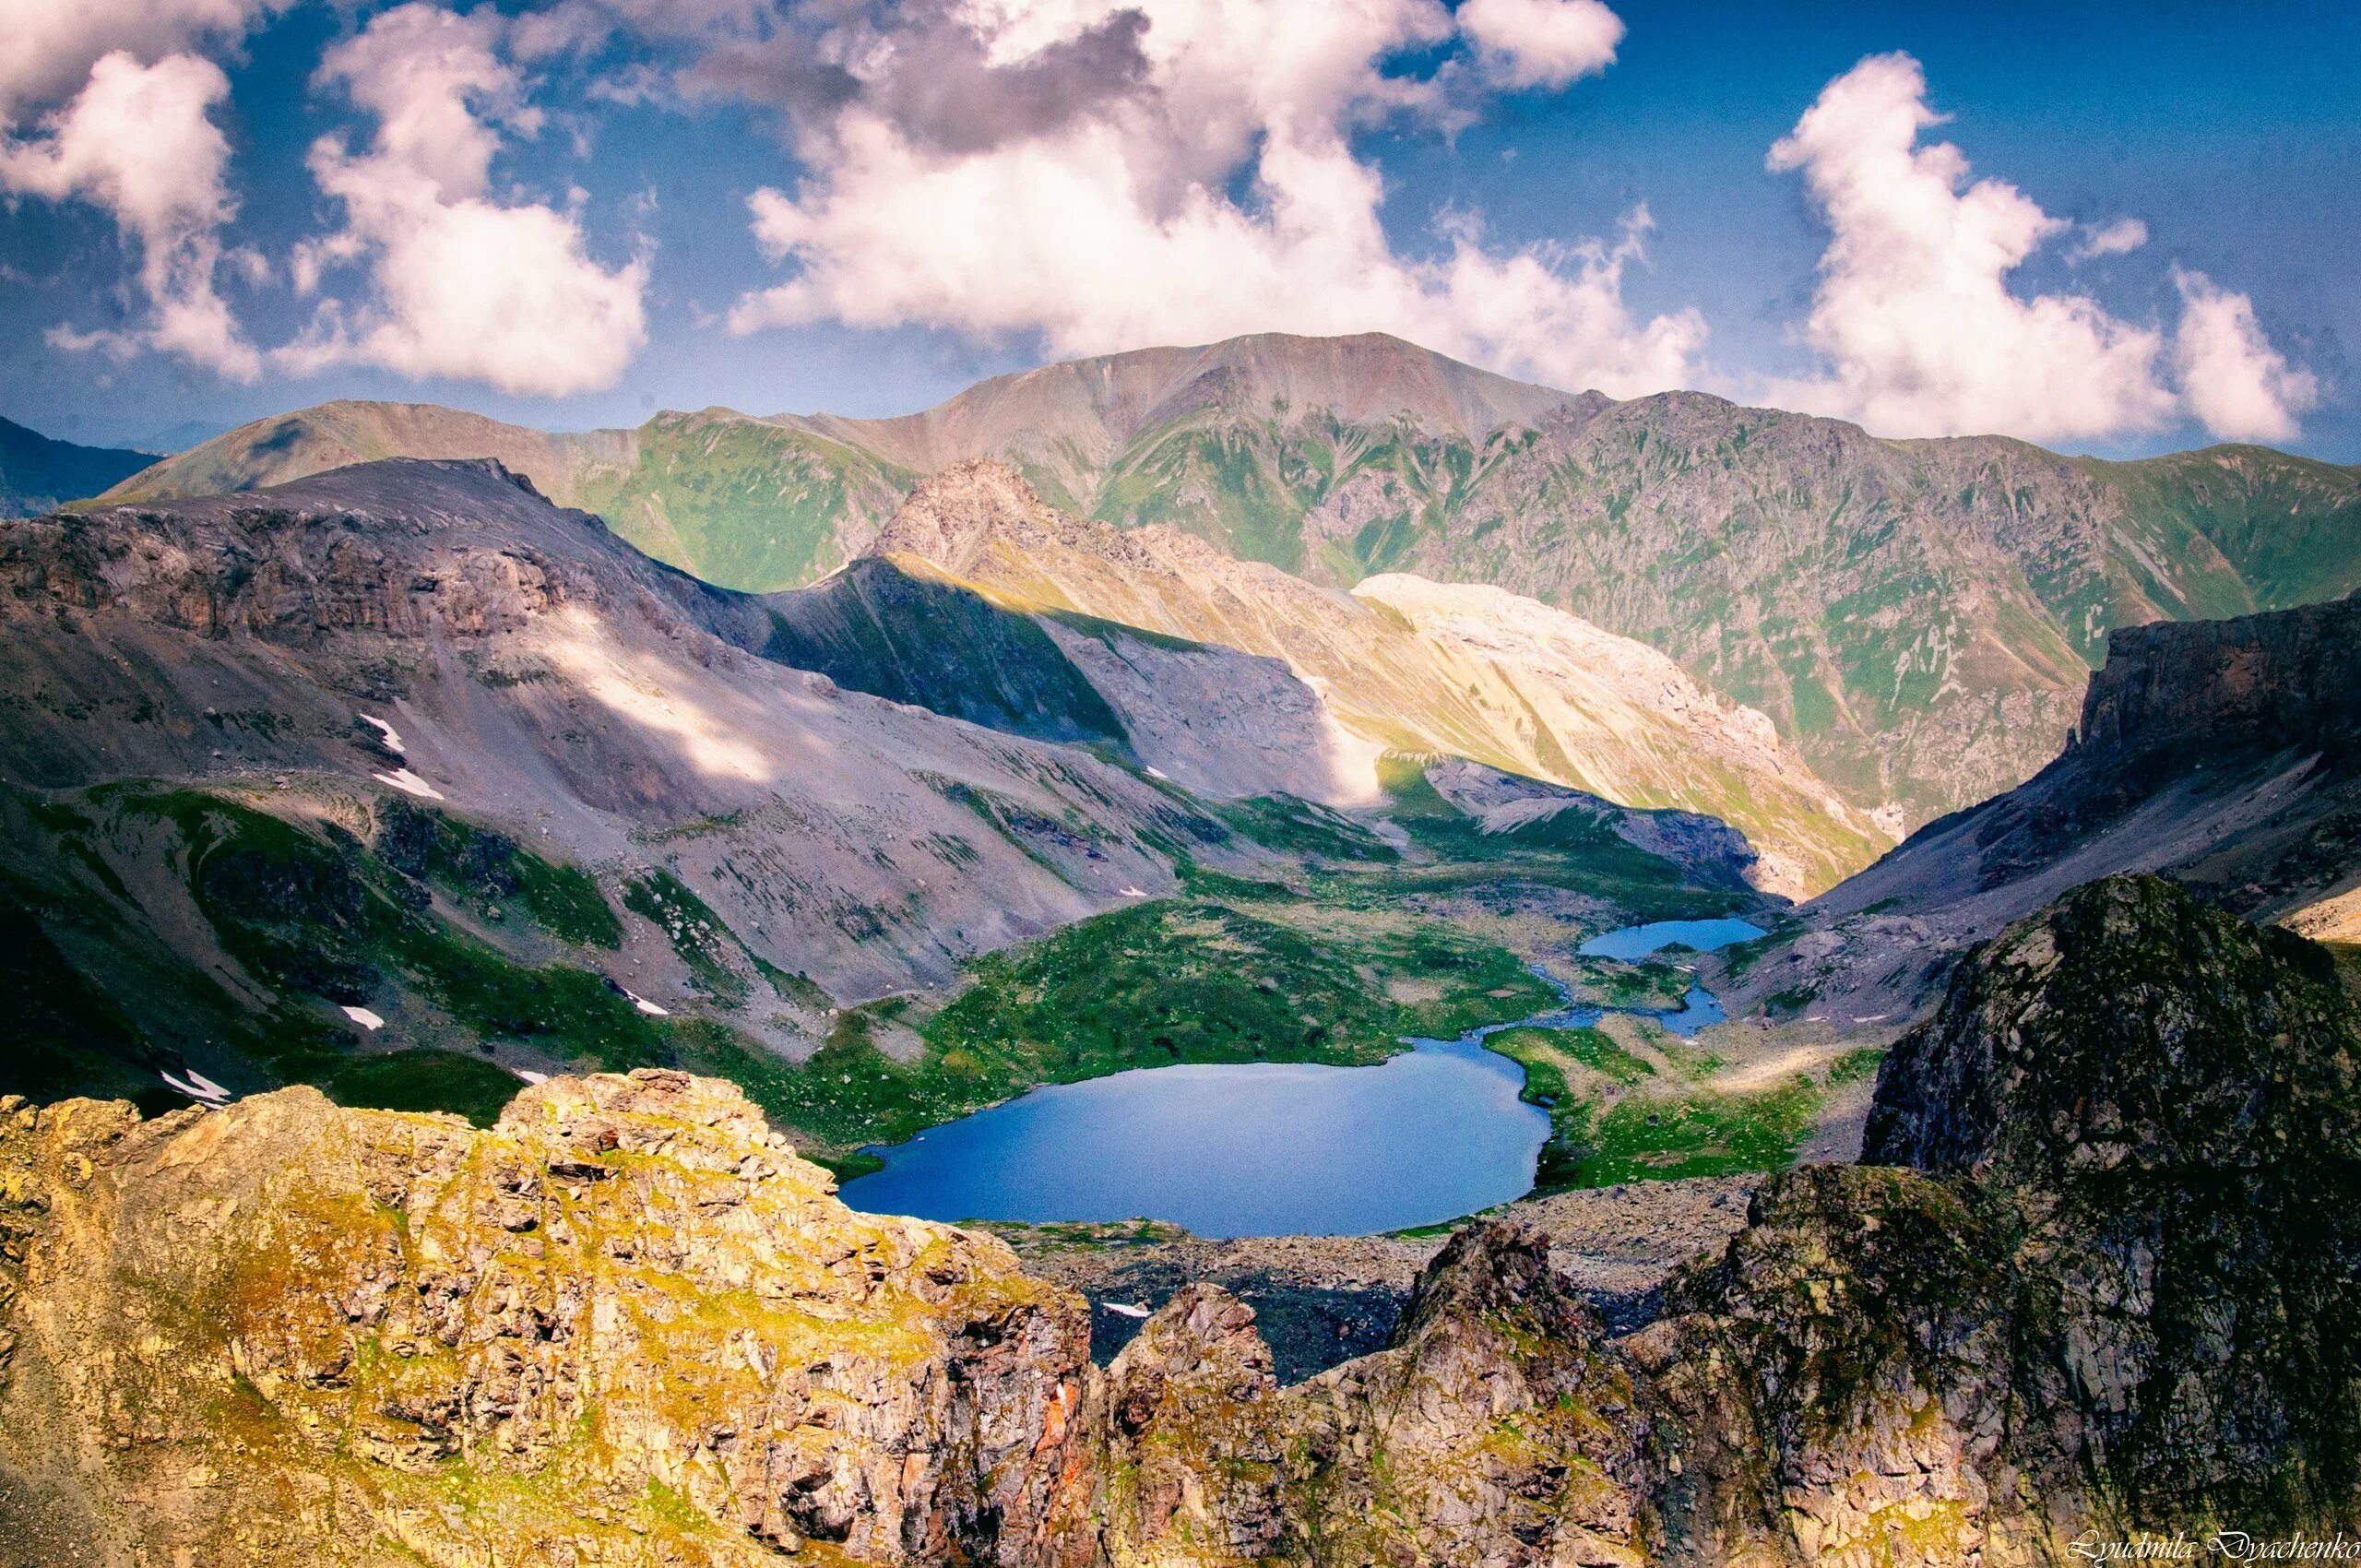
x: 2225, y: 754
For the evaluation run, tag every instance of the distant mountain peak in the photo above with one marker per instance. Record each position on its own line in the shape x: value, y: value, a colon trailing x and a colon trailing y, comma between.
x: 1098, y: 405
x: 39, y: 473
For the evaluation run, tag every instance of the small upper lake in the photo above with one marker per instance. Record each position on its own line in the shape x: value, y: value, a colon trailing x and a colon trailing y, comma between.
x: 1267, y: 1149
x: 1635, y: 942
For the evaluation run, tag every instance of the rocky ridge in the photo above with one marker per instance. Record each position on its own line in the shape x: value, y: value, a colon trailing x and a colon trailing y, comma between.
x: 626, y: 1325
x: 1404, y: 665
x: 439, y: 635
x: 1916, y: 617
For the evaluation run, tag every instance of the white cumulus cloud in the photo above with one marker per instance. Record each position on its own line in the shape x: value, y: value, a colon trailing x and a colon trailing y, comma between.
x: 1920, y: 333
x: 112, y: 103
x: 2119, y: 236
x: 48, y: 46
x: 462, y: 285
x: 2236, y: 384
x: 139, y: 141
x: 1914, y: 314
x: 1114, y: 176
x: 1528, y: 43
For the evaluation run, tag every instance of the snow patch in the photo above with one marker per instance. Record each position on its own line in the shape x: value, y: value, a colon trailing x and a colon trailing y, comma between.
x: 211, y: 1094
x: 1126, y: 1309
x: 1133, y: 892
x: 646, y: 1007
x: 391, y: 736
x: 365, y: 1018
x: 530, y: 1077
x: 410, y: 783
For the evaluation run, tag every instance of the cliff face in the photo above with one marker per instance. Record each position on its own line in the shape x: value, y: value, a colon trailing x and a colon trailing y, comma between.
x: 2170, y: 1098
x: 2277, y: 681
x: 2225, y: 754
x: 626, y: 1325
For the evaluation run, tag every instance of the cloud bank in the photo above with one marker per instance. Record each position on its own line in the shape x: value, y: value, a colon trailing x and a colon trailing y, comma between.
x: 1920, y: 334
x: 965, y: 169
x: 462, y: 286
x: 1093, y: 175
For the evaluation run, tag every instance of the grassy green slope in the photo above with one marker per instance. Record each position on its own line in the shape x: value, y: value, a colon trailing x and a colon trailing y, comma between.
x: 741, y: 503
x: 119, y: 908
x: 2288, y: 527
x: 1245, y: 484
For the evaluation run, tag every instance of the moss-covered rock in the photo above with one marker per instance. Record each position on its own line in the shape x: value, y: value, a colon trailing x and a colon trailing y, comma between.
x: 626, y: 1325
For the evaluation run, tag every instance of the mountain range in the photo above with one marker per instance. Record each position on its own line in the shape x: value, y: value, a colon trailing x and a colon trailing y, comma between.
x: 38, y: 474
x: 467, y: 894
x: 1914, y: 617
x: 1399, y: 665
x: 380, y: 751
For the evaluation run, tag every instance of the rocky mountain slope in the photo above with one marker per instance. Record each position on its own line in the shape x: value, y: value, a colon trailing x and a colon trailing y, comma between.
x: 349, y: 743
x: 2107, y: 1284
x: 1918, y: 616
x: 1399, y: 664
x: 1915, y: 616
x: 2225, y: 753
x: 1223, y: 723
x: 38, y: 474
x: 402, y: 782
x: 740, y: 501
x: 1234, y: 442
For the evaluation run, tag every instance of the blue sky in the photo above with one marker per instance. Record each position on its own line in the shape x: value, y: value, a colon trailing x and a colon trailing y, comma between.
x: 553, y: 223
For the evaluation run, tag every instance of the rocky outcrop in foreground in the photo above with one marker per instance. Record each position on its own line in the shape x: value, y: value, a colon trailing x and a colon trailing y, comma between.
x: 2108, y: 1285
x: 624, y: 1325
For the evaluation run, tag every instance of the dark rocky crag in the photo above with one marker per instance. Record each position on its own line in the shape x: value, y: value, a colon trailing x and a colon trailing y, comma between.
x: 2225, y: 754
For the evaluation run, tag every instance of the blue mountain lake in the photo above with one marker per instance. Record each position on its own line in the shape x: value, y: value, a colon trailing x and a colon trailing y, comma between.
x: 1266, y: 1148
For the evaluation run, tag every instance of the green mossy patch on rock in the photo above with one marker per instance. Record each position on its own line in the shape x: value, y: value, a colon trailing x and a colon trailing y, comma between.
x: 2118, y: 1293
x: 488, y: 870
x: 2183, y: 1092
